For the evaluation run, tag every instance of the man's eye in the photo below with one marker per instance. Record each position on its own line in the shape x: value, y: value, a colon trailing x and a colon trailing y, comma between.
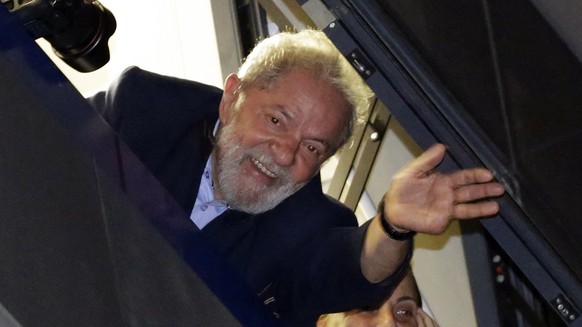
x: 312, y: 149
x: 275, y: 120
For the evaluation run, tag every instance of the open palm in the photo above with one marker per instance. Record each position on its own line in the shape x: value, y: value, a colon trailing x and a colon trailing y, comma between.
x: 424, y: 200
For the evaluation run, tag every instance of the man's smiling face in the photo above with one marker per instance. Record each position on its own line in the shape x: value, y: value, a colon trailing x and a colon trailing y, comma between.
x: 273, y: 141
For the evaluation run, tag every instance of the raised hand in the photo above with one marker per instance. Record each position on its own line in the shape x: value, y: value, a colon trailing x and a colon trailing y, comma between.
x: 424, y: 200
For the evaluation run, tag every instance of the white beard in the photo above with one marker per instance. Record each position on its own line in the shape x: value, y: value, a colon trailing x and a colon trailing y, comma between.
x: 237, y: 189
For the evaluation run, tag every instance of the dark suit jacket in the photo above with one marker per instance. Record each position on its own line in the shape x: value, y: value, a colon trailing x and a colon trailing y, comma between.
x: 302, y: 258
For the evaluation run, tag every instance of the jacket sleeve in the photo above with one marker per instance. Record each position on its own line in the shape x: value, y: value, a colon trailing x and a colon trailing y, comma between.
x: 325, y: 276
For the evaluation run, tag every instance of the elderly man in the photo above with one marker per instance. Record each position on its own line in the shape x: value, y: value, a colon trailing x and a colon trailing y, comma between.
x: 244, y: 163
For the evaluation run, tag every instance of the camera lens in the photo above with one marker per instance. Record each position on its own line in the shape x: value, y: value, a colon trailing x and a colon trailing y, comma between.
x: 83, y: 44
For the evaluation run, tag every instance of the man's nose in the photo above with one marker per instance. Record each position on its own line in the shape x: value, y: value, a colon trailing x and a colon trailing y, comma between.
x: 284, y: 151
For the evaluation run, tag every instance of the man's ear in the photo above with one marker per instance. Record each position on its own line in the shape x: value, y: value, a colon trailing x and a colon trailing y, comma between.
x: 231, y: 85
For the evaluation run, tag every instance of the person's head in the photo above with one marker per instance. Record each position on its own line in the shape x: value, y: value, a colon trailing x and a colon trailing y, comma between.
x: 312, y: 51
x: 399, y: 310
x: 292, y: 105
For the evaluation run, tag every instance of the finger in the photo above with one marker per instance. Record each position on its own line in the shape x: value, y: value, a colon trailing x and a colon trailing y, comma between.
x: 474, y: 210
x: 471, y: 176
x: 474, y: 192
x: 429, y: 159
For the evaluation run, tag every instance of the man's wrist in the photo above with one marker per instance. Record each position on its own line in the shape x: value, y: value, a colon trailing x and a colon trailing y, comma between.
x: 391, y: 231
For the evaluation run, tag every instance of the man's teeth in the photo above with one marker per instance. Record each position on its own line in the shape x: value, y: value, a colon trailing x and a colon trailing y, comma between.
x: 264, y: 169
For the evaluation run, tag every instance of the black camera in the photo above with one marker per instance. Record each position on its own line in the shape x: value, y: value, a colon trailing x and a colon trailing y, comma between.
x: 78, y: 30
